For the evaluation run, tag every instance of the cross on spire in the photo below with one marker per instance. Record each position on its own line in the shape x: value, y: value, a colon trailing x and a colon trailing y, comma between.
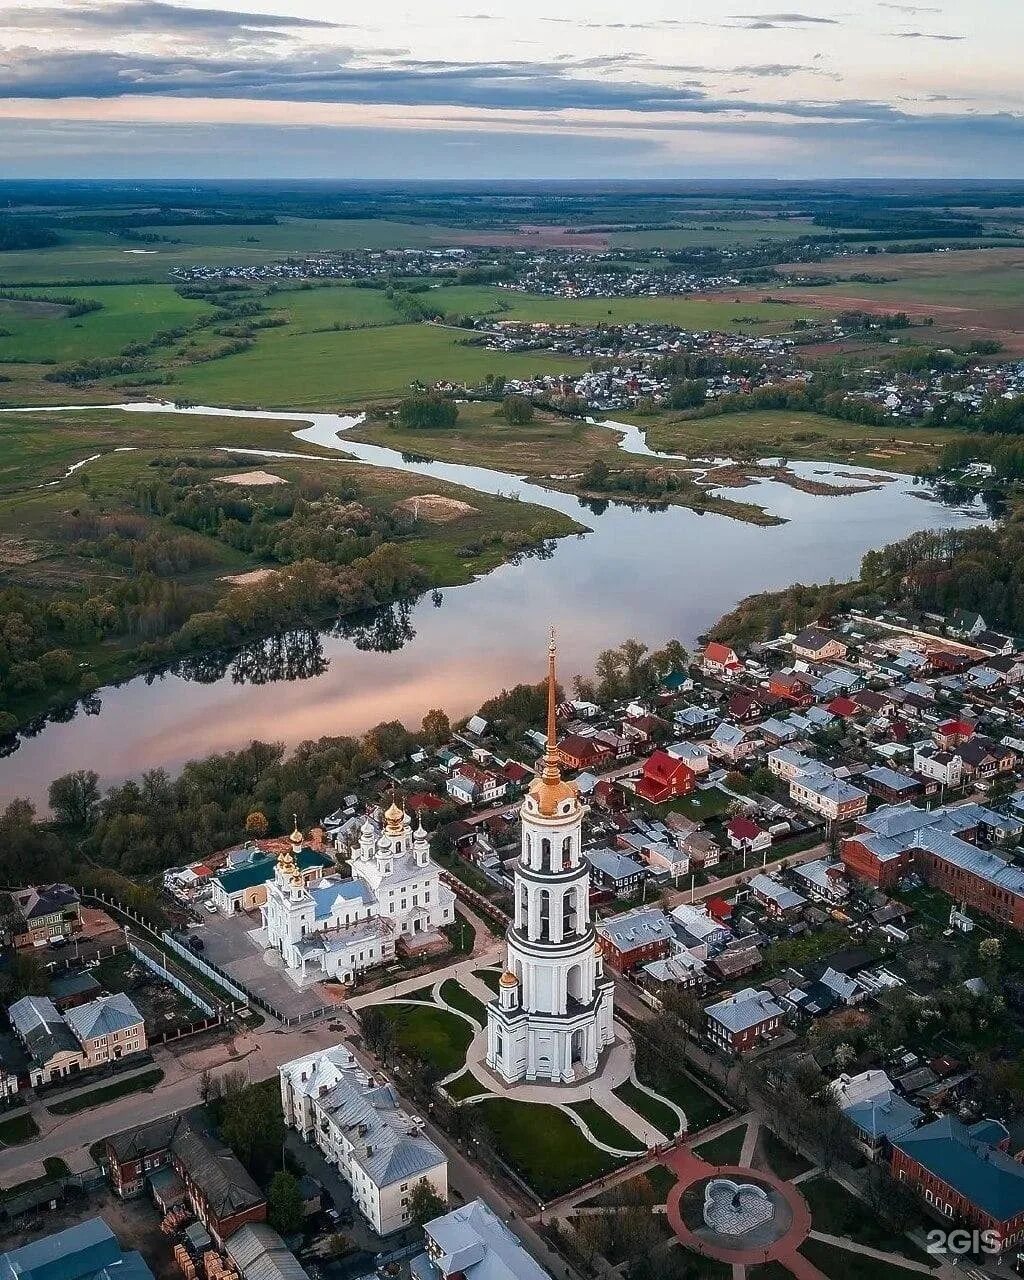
x: 552, y: 772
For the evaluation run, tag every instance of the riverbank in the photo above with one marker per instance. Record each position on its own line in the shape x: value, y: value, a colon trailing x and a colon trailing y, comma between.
x: 649, y: 573
x: 120, y: 559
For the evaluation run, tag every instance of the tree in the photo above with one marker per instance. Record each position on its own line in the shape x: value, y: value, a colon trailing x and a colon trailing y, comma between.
x: 207, y: 1088
x: 517, y: 410
x: 284, y: 1203
x: 686, y: 394
x: 257, y: 825
x: 428, y: 409
x: 75, y: 797
x: 763, y: 780
x: 436, y: 727
x: 425, y: 1204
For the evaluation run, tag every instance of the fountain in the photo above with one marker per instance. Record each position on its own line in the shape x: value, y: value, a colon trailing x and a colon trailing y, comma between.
x: 735, y: 1208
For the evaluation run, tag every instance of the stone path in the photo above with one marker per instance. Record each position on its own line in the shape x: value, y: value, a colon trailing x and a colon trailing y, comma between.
x: 881, y: 1255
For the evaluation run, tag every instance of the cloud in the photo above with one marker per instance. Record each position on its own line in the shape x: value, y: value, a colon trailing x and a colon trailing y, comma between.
x: 925, y: 35
x: 784, y: 19
x: 344, y: 75
x: 132, y: 16
x: 912, y: 8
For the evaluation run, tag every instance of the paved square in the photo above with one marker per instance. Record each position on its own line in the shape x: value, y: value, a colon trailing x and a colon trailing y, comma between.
x: 228, y: 945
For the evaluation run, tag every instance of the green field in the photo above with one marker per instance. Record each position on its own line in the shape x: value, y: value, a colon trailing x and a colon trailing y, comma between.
x: 771, y: 432
x: 287, y: 368
x: 130, y: 313
x: 687, y: 312
x: 717, y: 232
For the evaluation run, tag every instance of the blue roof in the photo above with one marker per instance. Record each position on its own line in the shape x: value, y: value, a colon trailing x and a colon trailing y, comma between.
x: 883, y: 1117
x: 86, y: 1250
x: 982, y: 1174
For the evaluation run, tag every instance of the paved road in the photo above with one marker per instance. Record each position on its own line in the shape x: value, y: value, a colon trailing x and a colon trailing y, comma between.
x: 258, y: 1053
x: 701, y: 892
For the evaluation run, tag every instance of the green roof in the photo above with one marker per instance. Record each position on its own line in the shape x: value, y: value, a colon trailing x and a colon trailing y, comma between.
x: 260, y: 870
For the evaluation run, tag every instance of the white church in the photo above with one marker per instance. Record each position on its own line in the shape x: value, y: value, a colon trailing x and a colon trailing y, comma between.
x: 554, y: 1012
x: 338, y: 926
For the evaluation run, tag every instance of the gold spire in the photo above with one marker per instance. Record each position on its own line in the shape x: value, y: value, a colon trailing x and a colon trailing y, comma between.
x: 552, y: 771
x: 548, y: 789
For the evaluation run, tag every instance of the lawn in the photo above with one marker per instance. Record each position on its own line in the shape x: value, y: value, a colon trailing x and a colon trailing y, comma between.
x: 604, y: 1127
x: 699, y: 806
x: 458, y: 997
x: 841, y: 1264
x: 725, y: 1149
x: 148, y: 1081
x: 661, y: 1116
x: 700, y: 1107
x: 715, y: 231
x: 491, y: 977
x: 432, y: 1035
x: 781, y: 1159
x: 461, y: 934
x: 543, y: 1146
x: 652, y: 1186
x: 837, y: 1213
x: 465, y: 1086
x: 18, y: 1128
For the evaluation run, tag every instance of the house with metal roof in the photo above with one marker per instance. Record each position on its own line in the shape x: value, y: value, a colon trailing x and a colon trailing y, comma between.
x: 472, y: 1243
x: 776, y: 898
x: 872, y: 1105
x: 259, y: 1253
x: 107, y: 1028
x: 635, y: 937
x: 962, y: 1176
x: 51, y: 1047
x: 358, y: 1122
x: 737, y: 1023
x: 86, y: 1251
x: 243, y: 887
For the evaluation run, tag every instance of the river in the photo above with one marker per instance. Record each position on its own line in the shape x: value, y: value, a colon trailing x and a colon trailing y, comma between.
x: 651, y: 574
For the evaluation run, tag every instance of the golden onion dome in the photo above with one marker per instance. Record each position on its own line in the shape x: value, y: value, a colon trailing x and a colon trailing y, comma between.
x: 508, y: 979
x: 394, y: 818
x: 550, y: 793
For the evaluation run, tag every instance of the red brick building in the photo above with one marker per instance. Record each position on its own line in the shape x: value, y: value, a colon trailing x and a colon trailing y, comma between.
x: 964, y: 1174
x: 219, y: 1189
x: 635, y: 938
x: 577, y: 752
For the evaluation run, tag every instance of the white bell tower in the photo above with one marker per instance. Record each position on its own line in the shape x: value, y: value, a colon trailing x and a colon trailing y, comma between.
x: 554, y: 1012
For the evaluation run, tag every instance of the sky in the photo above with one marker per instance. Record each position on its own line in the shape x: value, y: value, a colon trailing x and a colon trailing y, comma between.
x: 526, y: 89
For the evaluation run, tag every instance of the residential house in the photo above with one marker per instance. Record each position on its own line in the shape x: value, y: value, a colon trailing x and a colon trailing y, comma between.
x: 877, y: 1112
x: 962, y: 1176
x: 664, y: 778
x: 51, y: 1047
x: 615, y: 871
x: 777, y: 899
x: 966, y: 624
x: 360, y: 1126
x: 740, y: 1022
x: 472, y: 1243
x: 720, y: 660
x: 889, y: 785
x: 824, y: 879
x: 469, y: 784
x: 816, y: 644
x: 938, y: 764
x: 832, y: 798
x: 746, y: 836
x: 698, y: 931
x: 107, y: 1029
x: 36, y: 916
x: 693, y: 754
x: 730, y: 743
x: 633, y: 938
x: 787, y: 764
x: 983, y: 760
x: 793, y: 686
x: 578, y: 752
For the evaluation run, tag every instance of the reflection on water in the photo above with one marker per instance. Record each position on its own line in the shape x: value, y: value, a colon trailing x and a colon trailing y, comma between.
x: 649, y: 573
